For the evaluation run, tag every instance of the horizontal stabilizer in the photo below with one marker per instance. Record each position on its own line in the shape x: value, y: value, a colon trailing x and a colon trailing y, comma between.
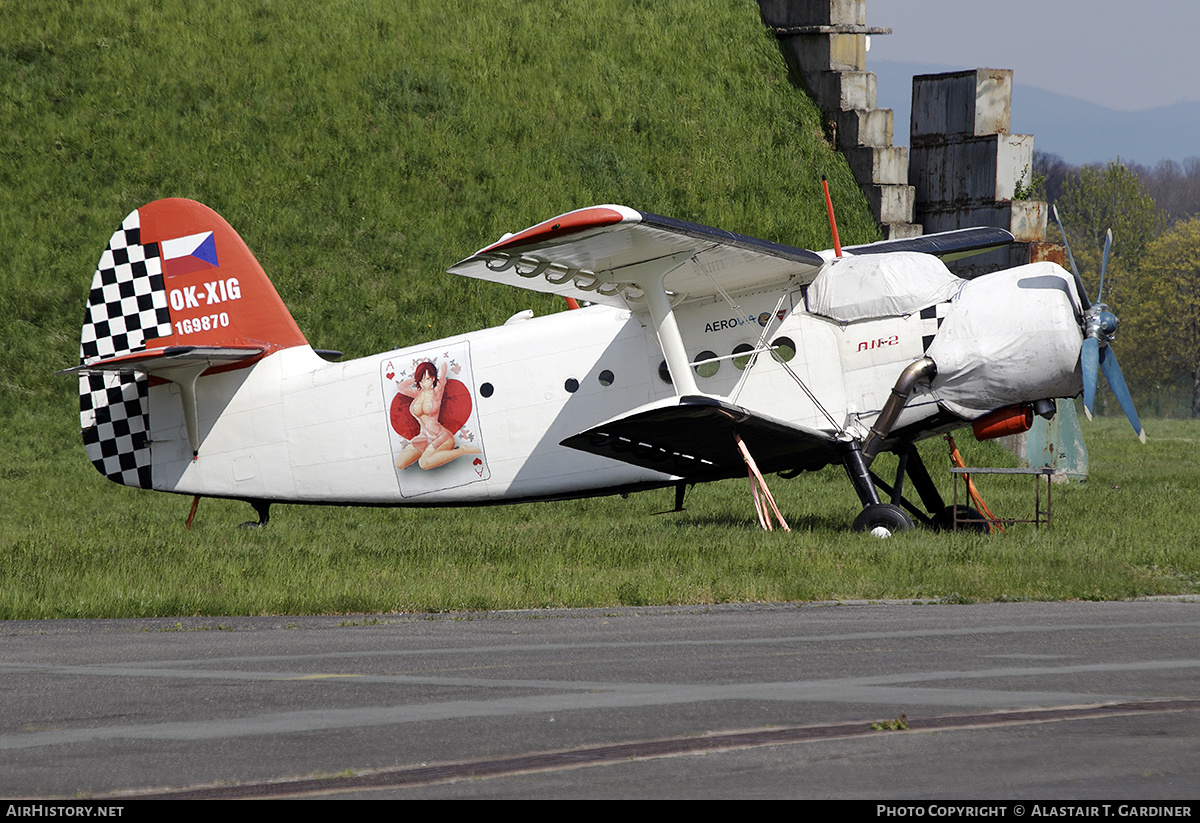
x: 157, y: 361
x: 948, y: 245
x: 611, y: 254
x: 181, y: 365
x: 693, y: 437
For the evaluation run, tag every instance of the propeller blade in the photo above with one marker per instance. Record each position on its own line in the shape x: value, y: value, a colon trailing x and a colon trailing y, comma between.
x: 1083, y: 296
x: 1104, y: 265
x: 1116, y: 382
x: 1089, y: 359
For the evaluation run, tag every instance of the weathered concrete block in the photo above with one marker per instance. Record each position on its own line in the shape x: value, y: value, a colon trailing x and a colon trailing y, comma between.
x: 1053, y: 252
x: 864, y: 127
x: 1026, y: 219
x: 967, y: 103
x: 782, y: 13
x: 901, y: 231
x: 891, y: 204
x: 937, y: 217
x: 872, y: 165
x: 970, y: 168
x: 812, y: 53
x: 839, y: 90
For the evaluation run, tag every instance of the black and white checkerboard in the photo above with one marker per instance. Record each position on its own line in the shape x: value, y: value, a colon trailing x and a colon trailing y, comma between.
x: 931, y: 321
x: 127, y: 305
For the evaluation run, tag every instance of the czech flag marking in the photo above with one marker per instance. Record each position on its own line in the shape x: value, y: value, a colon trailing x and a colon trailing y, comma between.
x: 185, y: 255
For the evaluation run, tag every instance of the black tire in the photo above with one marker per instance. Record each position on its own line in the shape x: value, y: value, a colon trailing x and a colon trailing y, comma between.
x: 882, y: 520
x: 969, y: 520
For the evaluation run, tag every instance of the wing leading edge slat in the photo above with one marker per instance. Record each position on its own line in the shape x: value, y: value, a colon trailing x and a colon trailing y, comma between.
x: 609, y: 254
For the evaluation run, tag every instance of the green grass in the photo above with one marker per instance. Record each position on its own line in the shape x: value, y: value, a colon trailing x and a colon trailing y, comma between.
x: 361, y: 147
x: 79, y: 546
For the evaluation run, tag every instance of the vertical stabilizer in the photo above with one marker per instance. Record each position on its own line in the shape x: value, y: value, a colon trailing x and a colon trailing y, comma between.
x: 175, y: 274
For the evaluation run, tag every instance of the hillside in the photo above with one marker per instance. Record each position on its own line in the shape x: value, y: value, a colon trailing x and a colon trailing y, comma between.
x: 361, y: 148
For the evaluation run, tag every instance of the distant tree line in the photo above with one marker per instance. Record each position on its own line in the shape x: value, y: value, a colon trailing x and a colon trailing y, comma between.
x: 1153, y: 278
x: 1174, y: 186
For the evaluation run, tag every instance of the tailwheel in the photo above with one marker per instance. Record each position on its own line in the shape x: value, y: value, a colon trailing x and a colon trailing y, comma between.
x: 263, y: 509
x: 882, y: 520
x: 969, y: 520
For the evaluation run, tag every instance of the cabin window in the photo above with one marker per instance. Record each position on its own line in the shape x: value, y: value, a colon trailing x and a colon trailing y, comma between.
x: 664, y: 374
x: 783, y: 349
x: 486, y: 389
x: 710, y: 368
x: 607, y: 378
x: 572, y: 385
x: 743, y: 351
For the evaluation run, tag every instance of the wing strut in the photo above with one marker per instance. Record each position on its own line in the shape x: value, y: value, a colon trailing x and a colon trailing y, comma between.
x: 650, y: 276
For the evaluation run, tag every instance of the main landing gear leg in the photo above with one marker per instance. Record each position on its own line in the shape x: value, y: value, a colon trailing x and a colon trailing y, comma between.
x: 912, y: 463
x: 941, y: 516
x: 860, y: 475
x: 880, y: 519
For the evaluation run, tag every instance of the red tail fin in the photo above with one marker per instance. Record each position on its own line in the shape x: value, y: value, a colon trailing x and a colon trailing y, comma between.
x: 217, y: 292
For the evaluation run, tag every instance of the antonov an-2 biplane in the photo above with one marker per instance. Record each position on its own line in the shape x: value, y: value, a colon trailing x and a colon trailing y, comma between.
x: 702, y: 353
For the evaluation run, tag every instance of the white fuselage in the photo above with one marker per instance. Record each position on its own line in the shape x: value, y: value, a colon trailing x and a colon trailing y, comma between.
x: 295, y: 427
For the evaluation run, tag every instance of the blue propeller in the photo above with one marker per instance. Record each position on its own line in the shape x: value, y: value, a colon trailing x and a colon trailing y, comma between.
x: 1099, y: 329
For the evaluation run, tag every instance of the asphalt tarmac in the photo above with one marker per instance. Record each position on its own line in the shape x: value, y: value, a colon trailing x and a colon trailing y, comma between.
x: 1018, y: 701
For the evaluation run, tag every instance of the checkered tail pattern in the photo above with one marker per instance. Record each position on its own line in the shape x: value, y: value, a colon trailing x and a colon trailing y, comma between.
x: 127, y: 306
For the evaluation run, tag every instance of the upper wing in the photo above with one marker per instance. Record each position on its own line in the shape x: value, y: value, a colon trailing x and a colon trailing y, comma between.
x: 607, y: 254
x: 948, y: 245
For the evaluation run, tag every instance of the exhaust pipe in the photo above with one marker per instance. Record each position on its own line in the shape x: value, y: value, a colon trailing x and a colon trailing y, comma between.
x: 918, y: 369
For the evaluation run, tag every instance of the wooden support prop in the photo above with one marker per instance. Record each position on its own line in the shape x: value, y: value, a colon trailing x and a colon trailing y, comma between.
x: 192, y: 513
x: 757, y: 481
x: 837, y: 244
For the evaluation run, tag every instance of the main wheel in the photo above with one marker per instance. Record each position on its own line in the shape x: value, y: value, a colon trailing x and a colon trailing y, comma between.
x: 969, y: 520
x: 882, y: 520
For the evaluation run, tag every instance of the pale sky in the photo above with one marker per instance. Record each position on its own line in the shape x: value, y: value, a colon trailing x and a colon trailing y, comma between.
x: 1123, y: 54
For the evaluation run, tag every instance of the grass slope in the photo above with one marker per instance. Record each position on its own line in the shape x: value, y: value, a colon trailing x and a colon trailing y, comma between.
x: 362, y: 147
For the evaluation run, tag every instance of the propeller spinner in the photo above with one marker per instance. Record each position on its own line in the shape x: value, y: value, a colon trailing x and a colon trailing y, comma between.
x: 1099, y: 329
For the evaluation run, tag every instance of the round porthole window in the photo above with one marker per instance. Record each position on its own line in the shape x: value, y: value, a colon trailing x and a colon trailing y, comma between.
x: 743, y: 359
x: 486, y: 390
x: 783, y: 349
x: 664, y: 374
x: 572, y: 385
x: 710, y: 368
x: 607, y: 378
